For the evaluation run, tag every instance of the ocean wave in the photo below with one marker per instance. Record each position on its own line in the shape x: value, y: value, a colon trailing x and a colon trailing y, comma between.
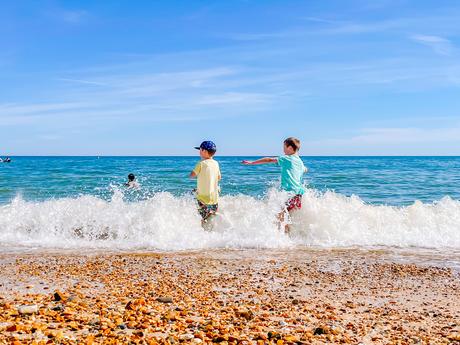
x: 167, y: 222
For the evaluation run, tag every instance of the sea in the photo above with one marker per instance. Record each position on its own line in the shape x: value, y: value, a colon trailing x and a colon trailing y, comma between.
x: 404, y: 205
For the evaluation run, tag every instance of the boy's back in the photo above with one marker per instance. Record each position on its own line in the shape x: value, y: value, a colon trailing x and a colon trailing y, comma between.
x: 208, y: 175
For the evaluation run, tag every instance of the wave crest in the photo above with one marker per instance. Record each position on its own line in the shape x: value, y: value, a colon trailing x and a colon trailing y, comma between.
x: 165, y: 222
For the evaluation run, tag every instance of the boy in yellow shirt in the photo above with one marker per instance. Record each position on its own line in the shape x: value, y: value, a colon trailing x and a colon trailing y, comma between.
x: 208, y: 176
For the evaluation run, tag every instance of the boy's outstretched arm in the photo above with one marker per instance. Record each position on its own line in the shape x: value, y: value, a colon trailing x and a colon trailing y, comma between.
x: 265, y: 160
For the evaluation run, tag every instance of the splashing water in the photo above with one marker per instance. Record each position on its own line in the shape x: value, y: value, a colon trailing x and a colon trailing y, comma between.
x: 167, y: 222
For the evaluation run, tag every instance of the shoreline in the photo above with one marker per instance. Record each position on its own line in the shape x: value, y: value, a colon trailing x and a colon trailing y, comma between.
x: 227, y: 297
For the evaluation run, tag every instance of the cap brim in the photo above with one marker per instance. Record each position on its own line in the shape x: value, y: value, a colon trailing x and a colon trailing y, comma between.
x: 197, y: 147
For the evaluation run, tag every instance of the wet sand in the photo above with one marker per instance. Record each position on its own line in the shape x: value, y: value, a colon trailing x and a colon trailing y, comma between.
x: 226, y: 297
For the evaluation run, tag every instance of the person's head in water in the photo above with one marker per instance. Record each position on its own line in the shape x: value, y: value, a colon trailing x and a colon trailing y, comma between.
x: 132, y: 182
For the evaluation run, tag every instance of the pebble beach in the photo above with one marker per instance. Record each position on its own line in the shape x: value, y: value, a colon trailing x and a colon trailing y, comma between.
x: 226, y: 297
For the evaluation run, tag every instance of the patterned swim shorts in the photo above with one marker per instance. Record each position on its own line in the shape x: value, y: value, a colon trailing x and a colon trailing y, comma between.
x: 294, y: 203
x: 207, y: 211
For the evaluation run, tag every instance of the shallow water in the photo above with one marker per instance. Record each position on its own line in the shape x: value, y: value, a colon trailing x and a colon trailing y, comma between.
x: 79, y: 203
x: 377, y: 180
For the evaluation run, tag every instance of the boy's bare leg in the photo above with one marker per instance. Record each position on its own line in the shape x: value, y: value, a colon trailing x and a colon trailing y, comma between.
x: 281, y: 221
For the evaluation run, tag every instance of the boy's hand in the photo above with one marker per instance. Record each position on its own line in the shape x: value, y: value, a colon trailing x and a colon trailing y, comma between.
x: 246, y: 162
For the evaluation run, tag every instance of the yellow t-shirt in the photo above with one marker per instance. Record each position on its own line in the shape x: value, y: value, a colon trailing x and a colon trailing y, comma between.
x: 208, y: 176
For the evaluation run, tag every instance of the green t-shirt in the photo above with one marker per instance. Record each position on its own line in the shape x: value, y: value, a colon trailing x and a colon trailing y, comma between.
x: 292, y: 170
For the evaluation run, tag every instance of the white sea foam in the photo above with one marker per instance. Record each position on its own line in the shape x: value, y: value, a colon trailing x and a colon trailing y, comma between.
x: 165, y: 222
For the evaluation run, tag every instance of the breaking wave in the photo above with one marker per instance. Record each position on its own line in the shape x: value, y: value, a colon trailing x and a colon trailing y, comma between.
x: 167, y: 222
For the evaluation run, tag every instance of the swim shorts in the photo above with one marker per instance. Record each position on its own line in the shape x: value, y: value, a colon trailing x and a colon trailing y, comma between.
x: 294, y: 203
x: 207, y: 211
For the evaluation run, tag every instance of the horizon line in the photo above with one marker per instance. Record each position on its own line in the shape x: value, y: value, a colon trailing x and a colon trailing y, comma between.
x: 275, y: 155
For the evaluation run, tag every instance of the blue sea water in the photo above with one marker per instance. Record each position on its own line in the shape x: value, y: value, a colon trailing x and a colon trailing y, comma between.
x: 377, y: 180
x: 364, y: 202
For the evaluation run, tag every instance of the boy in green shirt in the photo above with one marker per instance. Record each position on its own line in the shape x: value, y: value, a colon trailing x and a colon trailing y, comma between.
x: 208, y: 176
x: 292, y: 170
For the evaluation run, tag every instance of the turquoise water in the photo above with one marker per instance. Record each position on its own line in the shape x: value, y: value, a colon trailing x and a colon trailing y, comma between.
x: 376, y: 180
x: 365, y: 202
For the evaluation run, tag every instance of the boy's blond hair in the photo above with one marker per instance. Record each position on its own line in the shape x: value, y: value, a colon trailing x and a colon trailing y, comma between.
x: 293, y: 142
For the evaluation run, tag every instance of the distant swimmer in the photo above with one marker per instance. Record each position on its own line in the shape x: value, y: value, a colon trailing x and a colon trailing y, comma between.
x: 207, y: 173
x: 292, y: 170
x: 5, y: 160
x: 132, y: 182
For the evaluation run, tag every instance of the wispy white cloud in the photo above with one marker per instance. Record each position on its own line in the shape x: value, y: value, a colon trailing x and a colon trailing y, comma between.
x: 266, y: 35
x: 188, y: 95
x: 440, y: 45
x: 392, y: 141
x: 50, y: 137
x: 80, y: 81
x: 37, y: 108
x: 72, y: 16
x: 194, y: 94
x: 233, y: 97
x: 328, y: 27
x: 65, y: 15
x: 406, y: 135
x: 323, y: 26
x: 18, y: 120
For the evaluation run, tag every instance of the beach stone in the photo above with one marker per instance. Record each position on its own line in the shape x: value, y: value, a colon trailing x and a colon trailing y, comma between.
x: 197, y: 340
x: 165, y: 299
x: 4, y: 326
x: 291, y: 338
x: 274, y: 335
x: 186, y: 337
x: 171, y: 316
x: 130, y: 306
x: 245, y: 313
x: 11, y: 328
x: 58, y: 296
x: 28, y: 309
x: 171, y: 340
x: 58, y: 308
x: 219, y: 339
x: 319, y: 330
x: 454, y: 336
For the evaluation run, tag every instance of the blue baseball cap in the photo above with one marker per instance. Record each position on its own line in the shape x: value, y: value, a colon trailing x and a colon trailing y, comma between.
x: 207, y: 145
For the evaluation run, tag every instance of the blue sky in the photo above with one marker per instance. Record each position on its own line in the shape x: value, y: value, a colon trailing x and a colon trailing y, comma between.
x: 157, y: 77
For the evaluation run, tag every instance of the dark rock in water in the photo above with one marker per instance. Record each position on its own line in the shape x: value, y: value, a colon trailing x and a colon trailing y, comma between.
x: 165, y: 299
